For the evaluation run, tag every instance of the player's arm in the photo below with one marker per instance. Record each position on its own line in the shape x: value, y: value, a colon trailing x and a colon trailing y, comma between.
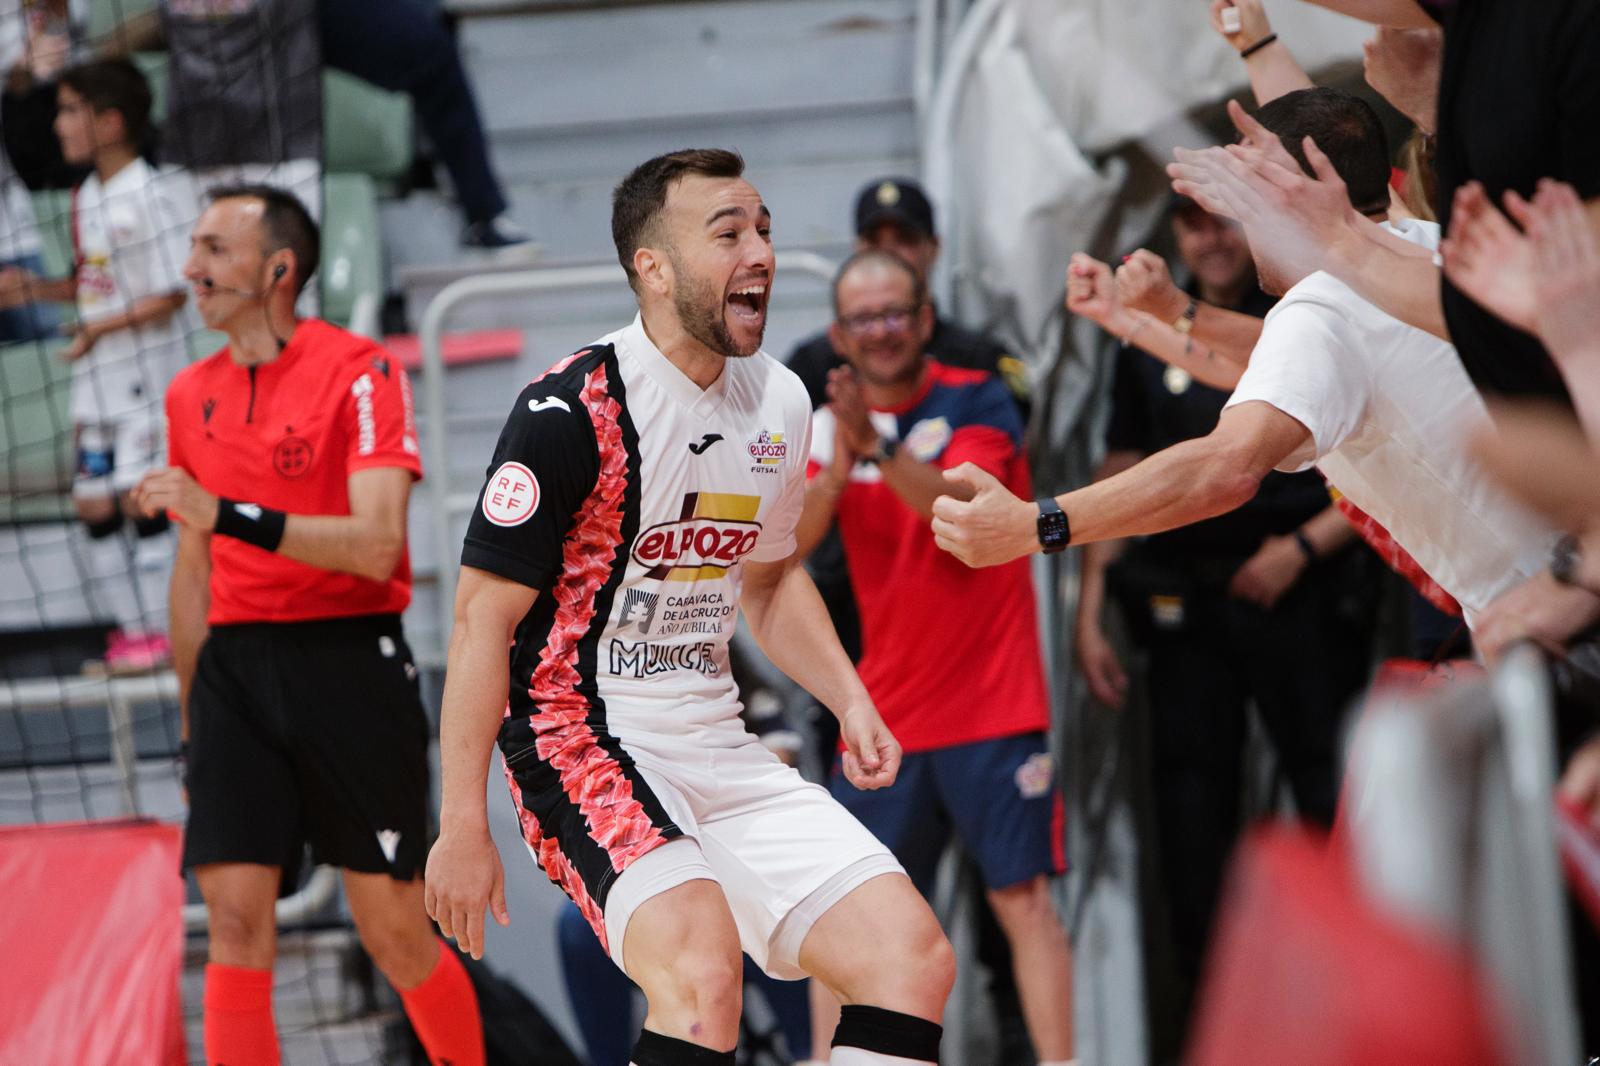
x: 1402, y: 13
x: 1389, y: 273
x: 1273, y: 70
x: 20, y: 286
x: 1093, y: 293
x: 1143, y: 283
x: 148, y: 311
x: 543, y: 468
x: 1186, y: 483
x: 917, y: 483
x: 464, y: 872
x: 189, y: 599
x: 787, y: 617
x: 152, y: 310
x: 1215, y: 366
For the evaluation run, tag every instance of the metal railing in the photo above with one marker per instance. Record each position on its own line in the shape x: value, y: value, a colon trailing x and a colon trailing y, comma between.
x: 1451, y: 826
x: 446, y: 504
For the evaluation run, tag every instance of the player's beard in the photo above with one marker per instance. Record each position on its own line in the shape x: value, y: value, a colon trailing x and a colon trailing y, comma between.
x: 701, y: 311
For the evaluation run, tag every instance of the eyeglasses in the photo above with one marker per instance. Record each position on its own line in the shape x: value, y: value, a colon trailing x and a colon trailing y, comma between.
x: 893, y: 319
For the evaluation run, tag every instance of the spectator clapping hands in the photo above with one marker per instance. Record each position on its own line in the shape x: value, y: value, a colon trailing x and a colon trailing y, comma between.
x: 1544, y: 277
x: 1488, y: 258
x: 1566, y: 269
x: 849, y: 407
x: 1293, y: 220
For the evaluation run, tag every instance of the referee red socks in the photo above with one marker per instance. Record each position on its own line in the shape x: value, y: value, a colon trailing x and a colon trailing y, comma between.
x: 444, y: 1011
x: 238, y: 1017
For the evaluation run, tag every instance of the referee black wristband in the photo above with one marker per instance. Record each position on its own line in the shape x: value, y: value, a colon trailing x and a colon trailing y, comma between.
x: 1258, y: 46
x: 250, y: 522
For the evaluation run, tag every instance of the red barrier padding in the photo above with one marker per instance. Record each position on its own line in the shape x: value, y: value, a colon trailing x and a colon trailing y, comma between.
x: 458, y: 349
x: 92, y: 941
x: 1306, y: 971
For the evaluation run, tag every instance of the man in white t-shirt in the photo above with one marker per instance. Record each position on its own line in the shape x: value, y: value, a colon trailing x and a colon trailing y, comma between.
x: 1381, y: 408
x: 130, y: 227
x: 643, y: 493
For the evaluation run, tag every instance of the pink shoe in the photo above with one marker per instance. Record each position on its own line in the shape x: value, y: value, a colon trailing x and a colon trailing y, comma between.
x: 137, y: 653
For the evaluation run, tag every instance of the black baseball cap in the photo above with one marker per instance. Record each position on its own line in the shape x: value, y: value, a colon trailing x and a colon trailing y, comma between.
x: 897, y: 200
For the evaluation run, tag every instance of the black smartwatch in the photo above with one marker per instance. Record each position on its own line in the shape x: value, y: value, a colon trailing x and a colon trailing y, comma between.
x: 1564, y: 559
x: 1054, y: 532
x: 883, y: 451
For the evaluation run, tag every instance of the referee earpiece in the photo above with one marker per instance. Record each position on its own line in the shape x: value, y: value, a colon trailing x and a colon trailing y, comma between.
x: 279, y: 271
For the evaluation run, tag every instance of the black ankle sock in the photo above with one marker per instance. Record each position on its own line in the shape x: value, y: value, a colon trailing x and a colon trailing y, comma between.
x: 888, y: 1032
x: 105, y: 528
x: 653, y: 1049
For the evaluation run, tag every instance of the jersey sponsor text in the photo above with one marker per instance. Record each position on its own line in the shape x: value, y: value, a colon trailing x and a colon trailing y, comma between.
x: 642, y: 659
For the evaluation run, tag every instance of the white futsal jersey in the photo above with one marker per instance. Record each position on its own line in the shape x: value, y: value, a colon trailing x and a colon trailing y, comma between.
x: 130, y: 240
x: 629, y: 497
x: 632, y: 500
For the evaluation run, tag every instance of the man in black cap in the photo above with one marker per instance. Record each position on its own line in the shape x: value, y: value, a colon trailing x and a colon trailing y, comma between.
x: 893, y: 215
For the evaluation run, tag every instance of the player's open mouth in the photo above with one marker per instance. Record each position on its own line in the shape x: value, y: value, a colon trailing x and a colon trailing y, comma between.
x: 749, y: 304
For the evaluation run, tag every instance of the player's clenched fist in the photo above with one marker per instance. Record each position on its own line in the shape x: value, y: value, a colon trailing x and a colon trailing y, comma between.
x: 871, y: 753
x: 1092, y: 295
x: 463, y: 877
x: 1145, y: 284
x: 172, y: 490
x: 988, y: 528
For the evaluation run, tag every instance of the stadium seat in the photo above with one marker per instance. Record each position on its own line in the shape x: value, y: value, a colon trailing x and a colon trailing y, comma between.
x: 365, y: 130
x: 53, y: 211
x: 352, y: 264
x: 104, y: 17
x: 35, y: 433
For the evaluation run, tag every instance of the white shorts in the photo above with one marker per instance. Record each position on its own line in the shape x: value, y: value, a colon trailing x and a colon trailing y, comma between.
x: 113, y: 456
x: 782, y: 849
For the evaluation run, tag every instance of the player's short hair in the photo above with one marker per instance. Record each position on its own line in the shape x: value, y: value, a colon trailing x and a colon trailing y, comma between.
x: 1347, y: 131
x: 114, y: 85
x: 878, y: 257
x: 285, y: 223
x: 637, y: 201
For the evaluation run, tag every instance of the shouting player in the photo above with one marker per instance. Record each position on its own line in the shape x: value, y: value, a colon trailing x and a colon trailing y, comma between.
x: 643, y: 492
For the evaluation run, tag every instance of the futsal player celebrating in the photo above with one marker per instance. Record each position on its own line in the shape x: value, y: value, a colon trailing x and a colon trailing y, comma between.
x: 292, y: 457
x: 642, y: 493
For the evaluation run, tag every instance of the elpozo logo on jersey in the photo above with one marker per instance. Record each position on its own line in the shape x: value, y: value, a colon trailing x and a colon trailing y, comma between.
x: 768, y: 450
x: 716, y: 530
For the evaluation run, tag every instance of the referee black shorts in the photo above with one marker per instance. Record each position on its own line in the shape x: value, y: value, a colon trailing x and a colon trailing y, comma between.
x: 308, y: 732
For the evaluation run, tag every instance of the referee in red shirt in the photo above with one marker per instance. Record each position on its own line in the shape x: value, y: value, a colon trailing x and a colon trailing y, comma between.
x: 292, y: 454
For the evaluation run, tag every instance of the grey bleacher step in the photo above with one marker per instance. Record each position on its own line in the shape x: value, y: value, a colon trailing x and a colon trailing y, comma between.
x: 816, y: 93
x: 715, y: 61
